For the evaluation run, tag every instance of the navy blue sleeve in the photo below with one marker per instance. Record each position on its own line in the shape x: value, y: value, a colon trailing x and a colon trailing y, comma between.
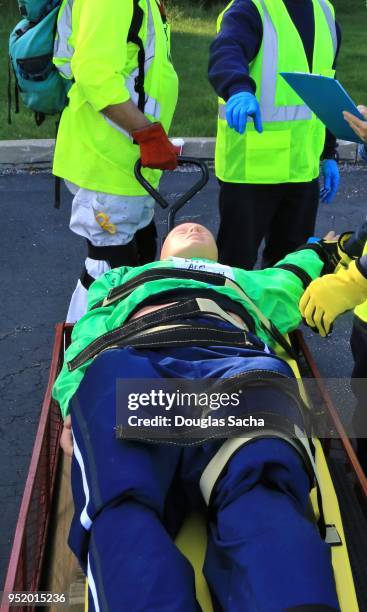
x: 234, y: 47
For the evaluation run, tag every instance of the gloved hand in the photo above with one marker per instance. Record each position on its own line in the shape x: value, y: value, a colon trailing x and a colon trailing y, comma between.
x: 353, y: 243
x: 329, y: 296
x: 238, y: 107
x: 344, y: 248
x: 330, y: 171
x: 156, y: 151
x: 329, y: 251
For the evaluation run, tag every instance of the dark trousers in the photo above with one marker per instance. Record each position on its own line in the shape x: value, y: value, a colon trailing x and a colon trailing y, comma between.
x: 263, y: 552
x: 358, y: 343
x: 284, y: 215
x: 146, y: 244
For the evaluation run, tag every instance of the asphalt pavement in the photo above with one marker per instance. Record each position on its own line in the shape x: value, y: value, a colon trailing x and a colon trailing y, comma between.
x: 40, y: 263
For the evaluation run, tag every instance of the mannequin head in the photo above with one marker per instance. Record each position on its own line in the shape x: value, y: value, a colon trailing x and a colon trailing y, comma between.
x: 190, y: 240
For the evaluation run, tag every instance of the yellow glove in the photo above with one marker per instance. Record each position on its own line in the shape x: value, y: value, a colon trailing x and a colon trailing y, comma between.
x: 345, y: 257
x: 329, y: 296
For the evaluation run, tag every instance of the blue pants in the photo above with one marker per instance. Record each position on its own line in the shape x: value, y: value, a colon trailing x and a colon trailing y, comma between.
x: 263, y: 552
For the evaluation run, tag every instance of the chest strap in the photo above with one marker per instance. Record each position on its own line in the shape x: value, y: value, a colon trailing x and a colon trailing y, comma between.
x: 165, y: 327
x: 180, y: 294
x: 217, y: 280
x: 155, y: 274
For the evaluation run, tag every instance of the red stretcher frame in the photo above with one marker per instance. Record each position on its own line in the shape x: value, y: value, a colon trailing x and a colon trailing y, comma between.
x: 30, y: 540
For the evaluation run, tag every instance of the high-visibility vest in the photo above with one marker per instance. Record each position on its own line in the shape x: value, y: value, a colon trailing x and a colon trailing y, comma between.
x: 361, y: 310
x: 291, y: 145
x: 91, y: 151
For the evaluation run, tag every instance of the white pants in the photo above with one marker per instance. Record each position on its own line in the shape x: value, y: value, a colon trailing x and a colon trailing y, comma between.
x: 105, y: 220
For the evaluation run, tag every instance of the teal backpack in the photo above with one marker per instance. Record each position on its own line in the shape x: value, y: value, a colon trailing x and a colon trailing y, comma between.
x: 31, y: 44
x: 41, y: 86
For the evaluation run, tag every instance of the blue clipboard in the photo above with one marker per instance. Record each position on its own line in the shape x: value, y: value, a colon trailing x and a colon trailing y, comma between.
x: 327, y: 98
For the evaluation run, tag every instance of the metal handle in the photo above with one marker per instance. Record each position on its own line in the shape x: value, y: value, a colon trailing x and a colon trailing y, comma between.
x: 194, y: 189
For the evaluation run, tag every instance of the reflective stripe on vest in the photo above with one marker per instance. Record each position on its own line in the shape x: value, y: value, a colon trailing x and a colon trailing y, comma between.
x: 63, y: 51
x: 271, y: 113
x: 152, y: 106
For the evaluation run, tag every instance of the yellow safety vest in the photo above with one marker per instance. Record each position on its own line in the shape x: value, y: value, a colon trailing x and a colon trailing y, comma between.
x: 91, y: 48
x: 361, y: 310
x: 291, y: 145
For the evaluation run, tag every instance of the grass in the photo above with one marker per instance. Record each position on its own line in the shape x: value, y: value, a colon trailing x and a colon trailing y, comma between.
x: 23, y: 125
x: 192, y: 31
x: 352, y: 63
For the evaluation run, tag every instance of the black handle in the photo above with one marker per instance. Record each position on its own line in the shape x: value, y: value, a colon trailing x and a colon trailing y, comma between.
x: 194, y: 189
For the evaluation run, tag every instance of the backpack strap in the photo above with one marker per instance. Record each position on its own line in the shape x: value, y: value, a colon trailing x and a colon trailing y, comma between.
x: 133, y: 37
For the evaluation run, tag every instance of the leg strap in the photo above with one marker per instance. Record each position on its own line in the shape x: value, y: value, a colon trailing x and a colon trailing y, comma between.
x: 300, y: 442
x: 219, y: 462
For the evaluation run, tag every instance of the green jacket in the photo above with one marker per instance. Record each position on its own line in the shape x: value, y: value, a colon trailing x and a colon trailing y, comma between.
x: 275, y: 291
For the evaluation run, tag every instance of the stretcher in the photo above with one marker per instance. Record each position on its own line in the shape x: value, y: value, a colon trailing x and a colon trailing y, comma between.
x: 41, y: 560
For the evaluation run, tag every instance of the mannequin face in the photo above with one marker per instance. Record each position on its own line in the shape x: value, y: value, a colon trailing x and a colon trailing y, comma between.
x: 190, y: 240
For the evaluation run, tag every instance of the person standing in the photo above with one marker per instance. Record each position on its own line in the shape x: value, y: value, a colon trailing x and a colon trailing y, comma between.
x: 325, y: 299
x: 269, y: 143
x: 121, y: 103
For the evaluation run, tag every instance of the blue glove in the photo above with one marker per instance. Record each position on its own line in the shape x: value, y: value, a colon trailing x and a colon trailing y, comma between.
x: 238, y: 107
x: 330, y: 171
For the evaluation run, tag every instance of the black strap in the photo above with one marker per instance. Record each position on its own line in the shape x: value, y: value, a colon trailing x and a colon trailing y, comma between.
x: 16, y: 96
x: 39, y: 118
x: 179, y: 294
x: 9, y: 91
x: 327, y: 252
x: 57, y: 192
x: 117, y: 255
x: 187, y: 335
x: 299, y: 272
x: 86, y: 279
x: 213, y: 278
x: 170, y: 315
x: 133, y: 37
x: 123, y: 291
x: 57, y: 183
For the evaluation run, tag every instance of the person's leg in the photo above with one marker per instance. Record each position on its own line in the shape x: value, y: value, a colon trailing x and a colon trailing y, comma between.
x: 109, y: 223
x: 121, y: 491
x: 264, y: 553
x: 99, y: 260
x: 134, y: 565
x: 358, y: 343
x: 245, y: 214
x: 146, y: 243
x: 293, y: 223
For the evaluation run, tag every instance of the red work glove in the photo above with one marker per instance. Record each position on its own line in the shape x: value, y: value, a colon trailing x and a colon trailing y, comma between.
x: 156, y: 151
